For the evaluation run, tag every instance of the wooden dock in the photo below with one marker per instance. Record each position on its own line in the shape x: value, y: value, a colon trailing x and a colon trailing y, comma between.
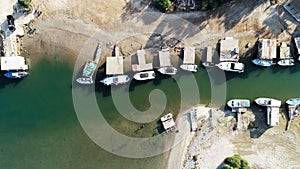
x: 285, y: 51
x: 194, y: 118
x: 267, y: 49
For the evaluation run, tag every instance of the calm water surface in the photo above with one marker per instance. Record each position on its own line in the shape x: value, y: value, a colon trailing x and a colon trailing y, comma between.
x: 39, y: 127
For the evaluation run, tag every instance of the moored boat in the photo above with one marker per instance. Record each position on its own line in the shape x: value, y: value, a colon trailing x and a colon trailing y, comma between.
x: 115, y: 80
x: 261, y: 62
x: 293, y: 101
x: 208, y: 64
x: 286, y: 62
x: 231, y: 66
x: 84, y: 80
x: 269, y: 102
x: 15, y: 75
x: 147, y: 75
x: 168, y: 70
x: 188, y: 67
x: 238, y: 103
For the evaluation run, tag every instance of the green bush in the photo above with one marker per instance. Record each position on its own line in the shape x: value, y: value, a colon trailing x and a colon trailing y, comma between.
x: 163, y: 5
x: 235, y: 162
x: 25, y: 3
x: 213, y: 4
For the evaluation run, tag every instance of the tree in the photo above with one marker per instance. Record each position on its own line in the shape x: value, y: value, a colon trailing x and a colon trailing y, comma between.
x: 163, y: 5
x: 25, y: 3
x: 235, y: 162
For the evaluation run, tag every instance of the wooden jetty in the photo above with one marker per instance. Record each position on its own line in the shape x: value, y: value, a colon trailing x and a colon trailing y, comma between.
x: 209, y: 54
x: 142, y: 62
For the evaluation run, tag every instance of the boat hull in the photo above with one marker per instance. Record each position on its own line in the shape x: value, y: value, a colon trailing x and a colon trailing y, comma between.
x: 231, y: 66
x: 287, y: 62
x: 83, y: 80
x: 294, y: 101
x: 238, y: 103
x: 191, y: 68
x: 269, y: 102
x: 264, y: 63
x: 15, y: 75
x: 116, y: 80
x: 208, y: 64
x: 148, y: 75
x: 168, y: 70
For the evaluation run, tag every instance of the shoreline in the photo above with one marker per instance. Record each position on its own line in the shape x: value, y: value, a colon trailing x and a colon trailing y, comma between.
x: 75, y: 42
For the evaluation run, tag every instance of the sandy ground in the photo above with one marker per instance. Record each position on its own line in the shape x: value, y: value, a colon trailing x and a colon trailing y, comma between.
x: 66, y: 26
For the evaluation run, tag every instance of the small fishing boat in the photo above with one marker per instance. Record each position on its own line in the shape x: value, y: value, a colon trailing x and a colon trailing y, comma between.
x: 269, y: 102
x: 231, y: 66
x: 286, y: 62
x: 15, y: 75
x: 147, y: 75
x: 264, y: 63
x: 293, y: 101
x: 191, y: 68
x: 208, y: 64
x: 115, y: 80
x: 238, y: 103
x: 168, y: 70
x: 85, y: 80
x: 87, y: 73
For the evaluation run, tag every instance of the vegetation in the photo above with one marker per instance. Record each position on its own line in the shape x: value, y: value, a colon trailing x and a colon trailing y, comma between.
x: 163, y: 5
x: 25, y: 3
x: 235, y: 162
x: 195, y: 157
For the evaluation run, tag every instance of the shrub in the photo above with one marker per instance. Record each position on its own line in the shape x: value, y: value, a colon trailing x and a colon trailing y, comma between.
x: 163, y: 5
x: 25, y: 3
x: 235, y: 162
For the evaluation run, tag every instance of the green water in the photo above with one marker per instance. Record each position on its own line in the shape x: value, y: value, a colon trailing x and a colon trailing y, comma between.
x: 39, y: 127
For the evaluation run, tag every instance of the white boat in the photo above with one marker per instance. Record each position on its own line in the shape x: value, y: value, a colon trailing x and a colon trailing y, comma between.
x: 286, y: 62
x: 83, y: 80
x: 260, y: 62
x: 166, y: 117
x: 269, y: 102
x: 147, y: 75
x: 191, y: 68
x: 168, y: 70
x: 238, y: 103
x: 115, y: 80
x: 231, y: 66
x: 208, y: 64
x: 293, y: 101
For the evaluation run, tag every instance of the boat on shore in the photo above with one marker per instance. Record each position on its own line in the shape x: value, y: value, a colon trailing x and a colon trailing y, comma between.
x: 261, y: 62
x: 90, y: 67
x: 188, y: 67
x: 166, y: 117
x: 269, y: 102
x: 231, y: 66
x: 147, y: 75
x: 238, y: 103
x: 116, y: 80
x: 286, y: 62
x: 168, y: 70
x: 15, y: 75
x: 293, y: 101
